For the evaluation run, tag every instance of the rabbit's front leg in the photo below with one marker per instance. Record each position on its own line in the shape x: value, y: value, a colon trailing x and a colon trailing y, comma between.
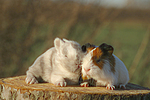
x: 58, y: 80
x: 30, y: 79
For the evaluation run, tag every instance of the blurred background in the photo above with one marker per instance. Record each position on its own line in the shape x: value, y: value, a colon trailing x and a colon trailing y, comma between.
x: 28, y: 28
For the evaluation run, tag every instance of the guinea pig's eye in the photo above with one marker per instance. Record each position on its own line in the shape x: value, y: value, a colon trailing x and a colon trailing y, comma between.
x: 98, y: 60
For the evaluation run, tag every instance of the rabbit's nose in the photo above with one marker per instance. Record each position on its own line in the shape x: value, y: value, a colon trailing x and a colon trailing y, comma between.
x: 86, y: 70
x: 78, y: 65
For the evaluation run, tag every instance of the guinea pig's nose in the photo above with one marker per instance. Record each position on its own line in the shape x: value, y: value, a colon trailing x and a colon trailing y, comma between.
x: 78, y: 66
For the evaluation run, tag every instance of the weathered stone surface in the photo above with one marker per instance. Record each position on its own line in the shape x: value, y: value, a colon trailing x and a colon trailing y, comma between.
x: 15, y: 88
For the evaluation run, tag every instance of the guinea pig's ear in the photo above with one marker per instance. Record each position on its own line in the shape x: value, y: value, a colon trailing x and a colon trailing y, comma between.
x: 110, y: 50
x: 57, y: 43
x: 107, y: 49
x: 85, y: 46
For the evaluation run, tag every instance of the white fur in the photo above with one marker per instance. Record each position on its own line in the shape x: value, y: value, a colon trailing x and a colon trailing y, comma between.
x: 104, y: 76
x: 59, y: 65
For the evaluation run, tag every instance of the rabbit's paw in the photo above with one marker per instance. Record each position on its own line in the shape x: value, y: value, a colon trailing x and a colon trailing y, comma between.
x: 84, y: 84
x: 61, y: 83
x: 31, y: 80
x: 110, y: 87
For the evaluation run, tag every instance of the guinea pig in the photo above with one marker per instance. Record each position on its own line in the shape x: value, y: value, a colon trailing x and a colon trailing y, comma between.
x: 60, y: 65
x: 103, y: 66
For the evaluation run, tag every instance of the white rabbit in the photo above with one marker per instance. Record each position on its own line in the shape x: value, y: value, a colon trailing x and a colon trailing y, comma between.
x: 104, y: 67
x: 59, y: 65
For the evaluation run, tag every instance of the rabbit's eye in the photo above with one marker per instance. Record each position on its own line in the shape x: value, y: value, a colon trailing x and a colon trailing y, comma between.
x: 66, y: 56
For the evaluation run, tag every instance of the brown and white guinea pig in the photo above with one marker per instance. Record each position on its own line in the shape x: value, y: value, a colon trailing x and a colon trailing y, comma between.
x: 103, y: 66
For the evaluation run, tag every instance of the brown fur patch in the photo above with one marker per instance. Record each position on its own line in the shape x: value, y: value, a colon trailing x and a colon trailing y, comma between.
x: 112, y: 63
x: 97, y: 53
x: 99, y: 57
x: 89, y: 49
x: 99, y: 64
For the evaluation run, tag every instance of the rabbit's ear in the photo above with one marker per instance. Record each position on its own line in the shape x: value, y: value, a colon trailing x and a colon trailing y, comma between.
x: 65, y: 40
x: 57, y: 43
